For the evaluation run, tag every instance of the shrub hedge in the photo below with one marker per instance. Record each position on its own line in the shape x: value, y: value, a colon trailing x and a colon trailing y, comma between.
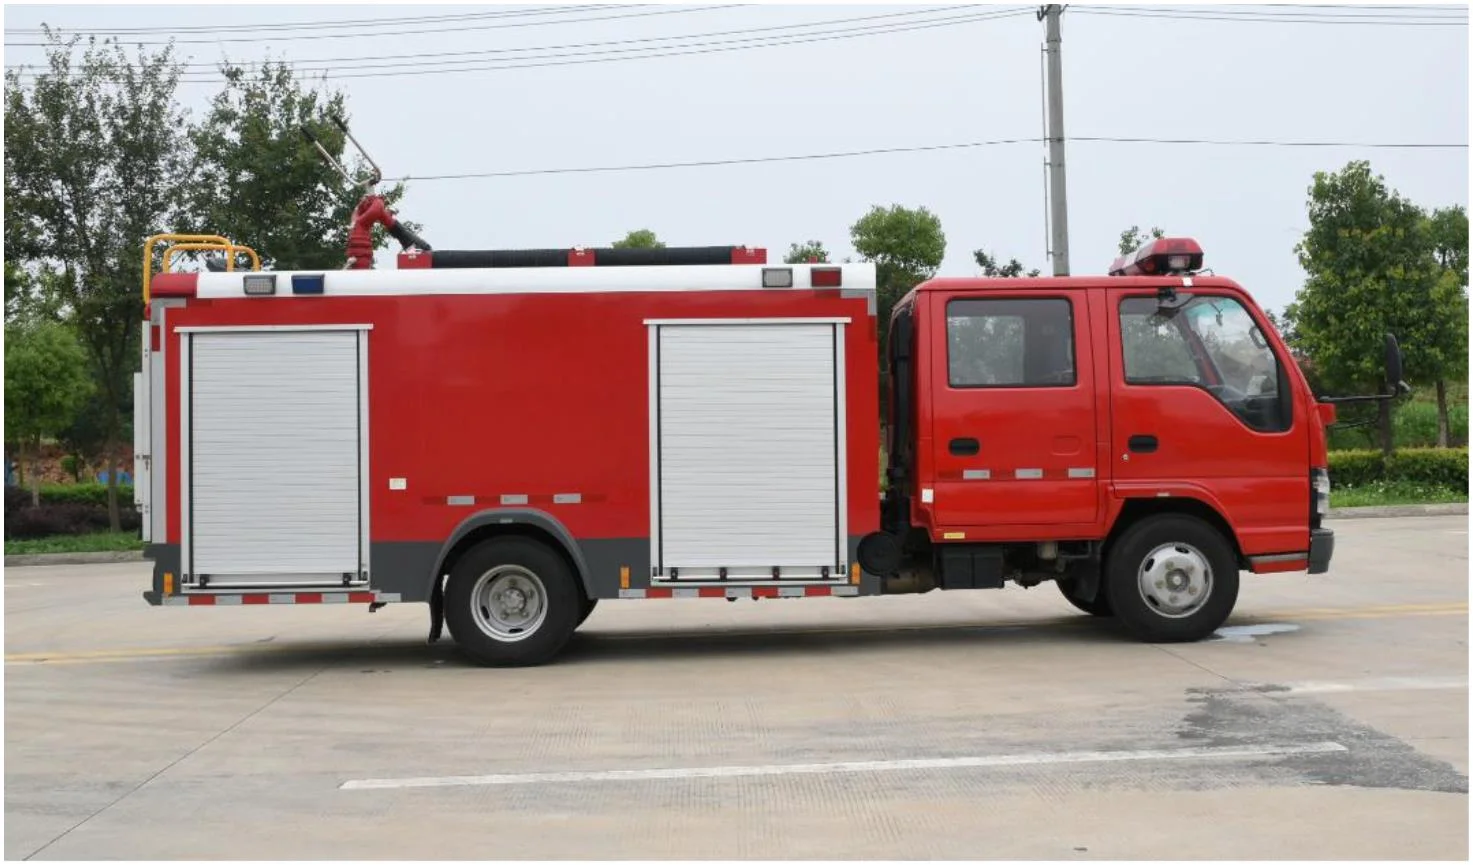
x: 1439, y: 467
x: 65, y: 510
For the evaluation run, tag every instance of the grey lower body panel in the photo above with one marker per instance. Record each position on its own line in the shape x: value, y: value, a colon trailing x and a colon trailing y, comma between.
x: 407, y: 568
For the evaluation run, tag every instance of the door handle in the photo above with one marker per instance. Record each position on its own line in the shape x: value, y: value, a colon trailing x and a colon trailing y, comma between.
x: 965, y: 447
x: 1142, y: 444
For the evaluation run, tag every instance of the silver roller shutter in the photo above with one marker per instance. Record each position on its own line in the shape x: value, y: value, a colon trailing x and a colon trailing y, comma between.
x: 748, y: 419
x: 274, y: 458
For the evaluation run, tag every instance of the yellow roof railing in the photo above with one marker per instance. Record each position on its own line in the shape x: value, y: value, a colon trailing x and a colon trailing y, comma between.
x: 191, y: 243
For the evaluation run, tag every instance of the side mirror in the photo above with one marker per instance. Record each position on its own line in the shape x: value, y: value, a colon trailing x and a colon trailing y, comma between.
x: 1393, y: 366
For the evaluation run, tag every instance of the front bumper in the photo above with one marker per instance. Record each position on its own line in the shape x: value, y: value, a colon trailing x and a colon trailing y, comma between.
x: 1321, y: 549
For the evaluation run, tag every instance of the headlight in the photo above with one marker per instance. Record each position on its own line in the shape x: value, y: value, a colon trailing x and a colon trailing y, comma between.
x: 1320, y: 481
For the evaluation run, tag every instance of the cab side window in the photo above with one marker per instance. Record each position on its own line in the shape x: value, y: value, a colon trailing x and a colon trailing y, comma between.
x: 1010, y: 342
x: 1209, y: 342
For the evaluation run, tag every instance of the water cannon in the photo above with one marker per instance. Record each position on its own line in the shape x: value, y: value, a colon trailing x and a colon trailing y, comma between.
x: 372, y: 209
x: 1164, y: 256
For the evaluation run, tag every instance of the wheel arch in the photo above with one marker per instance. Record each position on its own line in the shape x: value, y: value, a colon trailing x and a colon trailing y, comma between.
x: 509, y: 522
x: 1134, y: 510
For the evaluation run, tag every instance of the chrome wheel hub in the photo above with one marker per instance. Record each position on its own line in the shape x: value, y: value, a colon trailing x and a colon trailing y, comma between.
x: 509, y: 603
x: 1175, y: 580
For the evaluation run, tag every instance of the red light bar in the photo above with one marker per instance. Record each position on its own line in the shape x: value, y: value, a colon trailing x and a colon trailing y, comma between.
x: 1161, y: 257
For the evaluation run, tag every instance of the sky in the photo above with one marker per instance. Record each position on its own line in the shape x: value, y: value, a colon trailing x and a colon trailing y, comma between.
x: 972, y: 74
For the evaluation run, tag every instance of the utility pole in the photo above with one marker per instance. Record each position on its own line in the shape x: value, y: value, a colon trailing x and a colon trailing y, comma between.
x: 1058, y: 200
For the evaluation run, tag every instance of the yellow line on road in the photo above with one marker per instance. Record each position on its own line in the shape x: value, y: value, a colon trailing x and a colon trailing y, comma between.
x: 1451, y: 608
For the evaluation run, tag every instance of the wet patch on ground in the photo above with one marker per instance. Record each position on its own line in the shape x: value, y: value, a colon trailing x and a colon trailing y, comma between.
x: 1266, y: 714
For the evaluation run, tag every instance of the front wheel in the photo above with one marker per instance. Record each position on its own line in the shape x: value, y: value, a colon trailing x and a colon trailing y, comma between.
x: 1171, y: 579
x: 512, y: 602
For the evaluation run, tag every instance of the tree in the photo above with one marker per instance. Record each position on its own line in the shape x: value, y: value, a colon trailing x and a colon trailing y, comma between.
x: 1447, y: 230
x: 990, y: 267
x: 1133, y: 238
x: 1371, y: 270
x: 258, y: 181
x: 46, y: 384
x: 906, y: 246
x: 808, y: 251
x: 92, y: 154
x: 640, y: 238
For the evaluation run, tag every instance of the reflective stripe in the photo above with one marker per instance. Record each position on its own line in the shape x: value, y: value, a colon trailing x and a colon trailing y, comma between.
x: 1028, y: 474
x: 1081, y: 473
x: 513, y: 499
x: 976, y: 474
x: 742, y: 592
x: 567, y: 498
x: 460, y: 500
x: 263, y: 598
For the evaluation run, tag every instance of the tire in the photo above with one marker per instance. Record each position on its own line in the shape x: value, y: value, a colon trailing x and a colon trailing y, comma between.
x: 588, y: 606
x: 512, y: 602
x: 1152, y: 569
x: 1100, y: 606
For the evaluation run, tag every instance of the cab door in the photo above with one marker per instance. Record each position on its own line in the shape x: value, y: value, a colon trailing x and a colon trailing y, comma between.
x: 1013, y: 409
x: 1202, y: 406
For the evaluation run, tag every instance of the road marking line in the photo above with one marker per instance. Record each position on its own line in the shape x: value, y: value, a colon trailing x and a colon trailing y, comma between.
x: 1390, y: 683
x: 1246, y: 752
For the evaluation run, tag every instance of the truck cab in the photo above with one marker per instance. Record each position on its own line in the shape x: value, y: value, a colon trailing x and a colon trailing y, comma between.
x: 1137, y: 438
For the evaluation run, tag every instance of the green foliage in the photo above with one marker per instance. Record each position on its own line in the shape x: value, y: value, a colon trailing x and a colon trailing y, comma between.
x: 991, y: 268
x: 1430, y: 467
x: 97, y: 542
x: 93, y: 151
x: 1382, y: 493
x: 809, y: 250
x: 1448, y: 228
x: 640, y: 238
x: 906, y: 246
x: 1371, y: 271
x: 81, y: 494
x: 257, y: 180
x: 46, y: 380
x: 1133, y: 238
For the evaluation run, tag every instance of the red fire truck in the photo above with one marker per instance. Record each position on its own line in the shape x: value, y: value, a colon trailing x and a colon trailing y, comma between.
x: 514, y: 436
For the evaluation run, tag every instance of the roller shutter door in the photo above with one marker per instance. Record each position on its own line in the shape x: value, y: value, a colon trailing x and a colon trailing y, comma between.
x: 274, y: 458
x: 748, y: 420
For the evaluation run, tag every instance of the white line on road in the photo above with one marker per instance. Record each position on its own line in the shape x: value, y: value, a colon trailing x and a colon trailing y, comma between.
x: 1246, y: 752
x: 1406, y: 683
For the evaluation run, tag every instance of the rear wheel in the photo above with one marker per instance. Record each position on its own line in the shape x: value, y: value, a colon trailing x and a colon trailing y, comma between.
x: 1172, y: 578
x: 1100, y: 606
x: 512, y: 602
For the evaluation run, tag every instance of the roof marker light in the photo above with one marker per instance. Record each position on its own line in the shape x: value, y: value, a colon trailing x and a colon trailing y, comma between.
x: 307, y: 283
x: 827, y: 277
x: 777, y: 277
x: 260, y: 283
x: 1164, y: 256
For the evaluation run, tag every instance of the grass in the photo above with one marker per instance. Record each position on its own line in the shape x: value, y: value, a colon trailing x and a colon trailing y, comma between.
x: 1393, y: 493
x: 100, y: 542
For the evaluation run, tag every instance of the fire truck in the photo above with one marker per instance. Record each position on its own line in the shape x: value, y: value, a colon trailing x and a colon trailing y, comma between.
x: 513, y: 436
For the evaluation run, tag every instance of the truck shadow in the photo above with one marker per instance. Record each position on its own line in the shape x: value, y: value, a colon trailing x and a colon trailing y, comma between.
x: 598, y: 646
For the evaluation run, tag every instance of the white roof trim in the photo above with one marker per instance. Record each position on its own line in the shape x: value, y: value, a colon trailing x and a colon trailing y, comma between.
x: 538, y: 280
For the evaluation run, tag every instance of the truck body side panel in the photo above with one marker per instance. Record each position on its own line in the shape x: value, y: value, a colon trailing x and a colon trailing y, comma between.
x: 536, y: 401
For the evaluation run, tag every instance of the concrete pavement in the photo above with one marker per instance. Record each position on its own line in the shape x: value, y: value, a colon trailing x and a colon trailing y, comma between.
x: 1329, y: 721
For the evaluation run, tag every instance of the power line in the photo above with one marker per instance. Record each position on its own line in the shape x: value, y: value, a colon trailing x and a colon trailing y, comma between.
x: 377, y: 60
x: 579, y: 58
x: 845, y: 154
x: 1267, y: 18
x: 400, y: 32
x: 314, y: 25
